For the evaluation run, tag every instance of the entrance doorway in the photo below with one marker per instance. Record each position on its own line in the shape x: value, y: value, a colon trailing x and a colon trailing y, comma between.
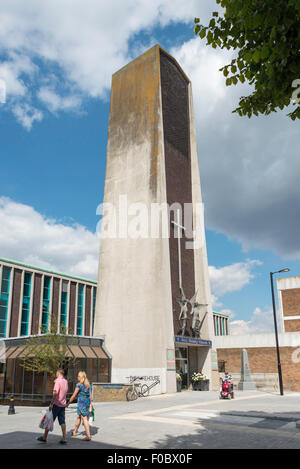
x: 182, y: 365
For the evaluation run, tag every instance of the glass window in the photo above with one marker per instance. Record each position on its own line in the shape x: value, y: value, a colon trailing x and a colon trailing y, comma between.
x: 46, y: 303
x: 64, y: 304
x: 181, y: 352
x: 26, y: 303
x: 4, y: 299
x: 80, y: 309
x: 94, y: 307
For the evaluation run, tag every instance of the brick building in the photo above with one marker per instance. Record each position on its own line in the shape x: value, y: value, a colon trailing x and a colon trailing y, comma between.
x: 289, y: 303
x: 261, y: 347
x: 262, y: 358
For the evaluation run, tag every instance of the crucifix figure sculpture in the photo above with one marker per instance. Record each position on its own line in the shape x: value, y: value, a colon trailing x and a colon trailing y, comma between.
x: 183, y: 316
x: 195, y: 312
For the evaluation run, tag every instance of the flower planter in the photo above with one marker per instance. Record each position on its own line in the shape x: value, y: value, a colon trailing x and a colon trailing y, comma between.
x: 178, y: 386
x: 202, y: 385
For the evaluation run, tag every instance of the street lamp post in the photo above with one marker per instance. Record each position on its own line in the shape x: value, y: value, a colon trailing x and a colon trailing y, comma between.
x: 276, y: 331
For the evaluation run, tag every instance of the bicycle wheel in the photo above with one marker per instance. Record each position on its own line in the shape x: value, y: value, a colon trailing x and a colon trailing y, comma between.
x: 131, y: 394
x: 145, y: 390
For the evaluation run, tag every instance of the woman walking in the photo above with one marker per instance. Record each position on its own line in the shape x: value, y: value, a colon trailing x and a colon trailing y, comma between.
x: 83, y: 391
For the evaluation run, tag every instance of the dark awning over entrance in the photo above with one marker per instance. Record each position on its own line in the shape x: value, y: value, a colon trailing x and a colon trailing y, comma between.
x: 75, y: 351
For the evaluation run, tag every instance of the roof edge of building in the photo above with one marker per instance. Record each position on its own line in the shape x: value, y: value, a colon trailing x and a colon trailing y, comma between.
x: 41, y: 269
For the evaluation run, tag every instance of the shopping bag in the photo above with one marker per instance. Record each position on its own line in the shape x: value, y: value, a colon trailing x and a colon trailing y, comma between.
x: 47, y: 421
x: 92, y: 416
x: 92, y: 409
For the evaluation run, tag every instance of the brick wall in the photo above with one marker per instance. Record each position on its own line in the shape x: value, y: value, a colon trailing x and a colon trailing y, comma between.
x: 15, y: 305
x: 36, y: 304
x: 264, y: 360
x: 109, y: 393
x: 292, y: 325
x: 291, y: 302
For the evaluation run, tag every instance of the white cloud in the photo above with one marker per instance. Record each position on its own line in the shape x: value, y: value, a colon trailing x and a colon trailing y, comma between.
x: 27, y: 115
x: 28, y: 236
x: 249, y: 167
x: 12, y: 70
x: 231, y: 278
x: 54, y: 102
x: 202, y: 65
x: 261, y: 321
x: 83, y: 43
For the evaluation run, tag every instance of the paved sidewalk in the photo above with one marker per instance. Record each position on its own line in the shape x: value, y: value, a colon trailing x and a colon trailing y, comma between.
x: 185, y: 420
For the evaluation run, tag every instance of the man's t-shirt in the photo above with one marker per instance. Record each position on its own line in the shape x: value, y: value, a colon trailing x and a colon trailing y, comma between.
x: 61, y: 387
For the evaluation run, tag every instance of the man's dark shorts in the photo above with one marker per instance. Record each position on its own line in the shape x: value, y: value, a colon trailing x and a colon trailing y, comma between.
x: 59, y: 412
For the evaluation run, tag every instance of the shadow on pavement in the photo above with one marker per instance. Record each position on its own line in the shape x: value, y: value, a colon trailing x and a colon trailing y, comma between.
x: 28, y: 440
x: 240, y: 433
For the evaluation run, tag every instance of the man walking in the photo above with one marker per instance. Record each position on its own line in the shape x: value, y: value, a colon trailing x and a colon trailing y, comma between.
x: 58, y: 405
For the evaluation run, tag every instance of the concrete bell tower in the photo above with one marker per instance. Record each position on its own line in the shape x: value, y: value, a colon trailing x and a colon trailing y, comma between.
x: 152, y: 161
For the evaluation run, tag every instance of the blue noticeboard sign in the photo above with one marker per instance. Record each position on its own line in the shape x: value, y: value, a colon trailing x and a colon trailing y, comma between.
x: 192, y: 341
x: 112, y: 386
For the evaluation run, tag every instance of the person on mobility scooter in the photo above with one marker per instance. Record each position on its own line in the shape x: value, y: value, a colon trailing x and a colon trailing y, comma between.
x: 226, y: 391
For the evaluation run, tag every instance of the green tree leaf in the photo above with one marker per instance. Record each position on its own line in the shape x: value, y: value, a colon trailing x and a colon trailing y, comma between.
x: 265, y: 36
x: 202, y: 33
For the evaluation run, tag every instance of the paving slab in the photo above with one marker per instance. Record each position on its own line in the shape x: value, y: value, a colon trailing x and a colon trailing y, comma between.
x: 185, y: 420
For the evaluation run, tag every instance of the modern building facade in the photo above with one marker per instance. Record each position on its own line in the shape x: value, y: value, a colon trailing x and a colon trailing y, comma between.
x: 32, y: 301
x: 30, y: 297
x: 221, y: 324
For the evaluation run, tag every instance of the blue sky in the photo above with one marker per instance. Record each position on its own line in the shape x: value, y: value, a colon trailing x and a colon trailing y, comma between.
x: 53, y: 133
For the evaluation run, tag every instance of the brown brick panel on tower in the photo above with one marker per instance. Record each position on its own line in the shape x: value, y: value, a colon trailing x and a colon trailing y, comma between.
x: 15, y: 304
x: 55, y: 298
x: 174, y: 87
x: 291, y: 302
x: 175, y: 106
x: 36, y: 306
x: 72, y: 308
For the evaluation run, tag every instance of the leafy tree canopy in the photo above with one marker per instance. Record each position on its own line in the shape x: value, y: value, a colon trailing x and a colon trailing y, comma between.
x: 48, y: 352
x: 266, y: 35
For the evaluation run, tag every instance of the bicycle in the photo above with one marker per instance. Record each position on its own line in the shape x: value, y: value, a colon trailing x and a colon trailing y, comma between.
x: 136, y: 390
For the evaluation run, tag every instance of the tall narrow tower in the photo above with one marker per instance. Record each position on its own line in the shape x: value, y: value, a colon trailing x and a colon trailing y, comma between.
x: 145, y: 281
